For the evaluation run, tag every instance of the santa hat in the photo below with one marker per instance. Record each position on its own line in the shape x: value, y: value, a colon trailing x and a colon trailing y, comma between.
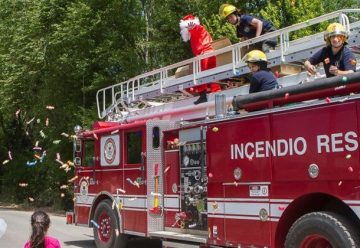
x: 184, y: 22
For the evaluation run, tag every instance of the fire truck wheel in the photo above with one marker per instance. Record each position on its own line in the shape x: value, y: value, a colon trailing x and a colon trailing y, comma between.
x: 322, y: 230
x: 106, y: 232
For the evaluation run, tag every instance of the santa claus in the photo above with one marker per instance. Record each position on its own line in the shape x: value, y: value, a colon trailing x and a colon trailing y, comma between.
x: 200, y: 41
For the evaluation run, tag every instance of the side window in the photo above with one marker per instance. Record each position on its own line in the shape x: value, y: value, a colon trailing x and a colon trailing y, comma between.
x: 89, y: 153
x: 134, y: 142
x: 156, y: 137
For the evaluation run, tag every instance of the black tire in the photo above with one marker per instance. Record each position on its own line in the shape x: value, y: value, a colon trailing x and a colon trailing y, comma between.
x: 322, y: 229
x: 105, y: 236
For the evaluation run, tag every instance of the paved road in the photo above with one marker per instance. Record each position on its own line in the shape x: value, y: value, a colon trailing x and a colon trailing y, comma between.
x: 18, y: 231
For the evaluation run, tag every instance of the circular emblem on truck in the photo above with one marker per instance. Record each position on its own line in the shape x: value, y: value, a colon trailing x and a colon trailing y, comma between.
x: 109, y: 150
x: 84, y: 188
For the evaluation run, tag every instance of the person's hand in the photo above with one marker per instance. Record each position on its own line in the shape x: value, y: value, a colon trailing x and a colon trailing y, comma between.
x: 310, y: 68
x: 333, y: 70
x: 191, y: 25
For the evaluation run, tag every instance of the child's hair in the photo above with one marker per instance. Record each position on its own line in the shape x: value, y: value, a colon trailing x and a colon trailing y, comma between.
x: 40, y: 223
x: 262, y: 65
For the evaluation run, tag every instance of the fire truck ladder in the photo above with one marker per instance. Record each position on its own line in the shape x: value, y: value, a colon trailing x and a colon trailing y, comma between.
x: 144, y: 96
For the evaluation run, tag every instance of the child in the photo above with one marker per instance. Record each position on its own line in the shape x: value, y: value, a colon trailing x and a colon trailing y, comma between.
x: 247, y: 26
x: 40, y: 223
x: 337, y: 58
x: 262, y: 79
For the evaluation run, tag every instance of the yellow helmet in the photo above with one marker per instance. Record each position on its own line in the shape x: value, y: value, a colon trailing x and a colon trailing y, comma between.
x: 255, y: 56
x: 335, y: 29
x: 226, y: 9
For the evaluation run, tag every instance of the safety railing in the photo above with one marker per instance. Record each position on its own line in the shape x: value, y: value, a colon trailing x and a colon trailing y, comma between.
x: 160, y: 81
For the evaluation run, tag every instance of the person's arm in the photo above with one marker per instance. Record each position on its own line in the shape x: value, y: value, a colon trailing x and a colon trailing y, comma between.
x: 310, y: 63
x: 258, y: 24
x: 309, y: 67
x: 349, y: 61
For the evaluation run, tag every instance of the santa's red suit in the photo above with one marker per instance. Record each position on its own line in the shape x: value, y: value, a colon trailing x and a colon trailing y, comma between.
x: 200, y: 41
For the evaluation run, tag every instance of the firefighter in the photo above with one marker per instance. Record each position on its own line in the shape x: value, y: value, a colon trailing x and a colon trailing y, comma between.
x: 262, y: 78
x: 336, y: 57
x: 200, y: 41
x: 247, y: 26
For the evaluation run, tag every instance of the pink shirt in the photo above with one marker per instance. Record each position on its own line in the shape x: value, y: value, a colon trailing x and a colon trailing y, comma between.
x: 50, y: 242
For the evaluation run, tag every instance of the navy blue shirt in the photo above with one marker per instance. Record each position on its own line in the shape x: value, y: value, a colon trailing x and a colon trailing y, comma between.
x: 245, y: 29
x: 262, y: 80
x: 344, y: 60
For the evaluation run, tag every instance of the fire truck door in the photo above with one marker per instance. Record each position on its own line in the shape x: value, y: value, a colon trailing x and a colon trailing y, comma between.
x: 237, y: 161
x: 134, y: 197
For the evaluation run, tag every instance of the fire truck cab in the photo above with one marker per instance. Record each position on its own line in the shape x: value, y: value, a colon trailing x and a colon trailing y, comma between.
x: 283, y: 174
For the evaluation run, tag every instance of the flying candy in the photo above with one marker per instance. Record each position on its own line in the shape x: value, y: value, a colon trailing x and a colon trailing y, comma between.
x: 64, y: 186
x: 328, y: 100
x: 37, y: 148
x: 67, y: 169
x: 62, y: 195
x: 23, y: 185
x: 58, y: 156
x: 63, y: 166
x: 9, y: 153
x: 340, y: 183
x: 192, y: 225
x: 70, y: 163
x: 31, y: 199
x: 43, y: 156
x: 31, y: 120
x: 55, y: 142
x: 5, y: 161
x: 96, y: 225
x: 287, y: 95
x: 115, y: 131
x: 350, y: 169
x: 166, y: 169
x: 282, y: 207
x: 72, y: 179
x: 65, y: 135
x: 31, y: 164
x: 348, y: 156
x: 50, y: 107
x: 121, y: 190
x: 42, y: 134
x: 47, y: 122
x: 38, y: 120
x: 17, y: 113
x: 37, y: 143
x: 95, y: 136
x: 59, y: 161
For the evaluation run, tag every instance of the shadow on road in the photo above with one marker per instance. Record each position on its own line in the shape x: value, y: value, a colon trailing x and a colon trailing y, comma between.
x: 81, y: 243
x: 135, y: 243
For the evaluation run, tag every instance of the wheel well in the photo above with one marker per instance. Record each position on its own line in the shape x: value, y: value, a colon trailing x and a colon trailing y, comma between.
x: 301, y: 206
x: 99, y: 198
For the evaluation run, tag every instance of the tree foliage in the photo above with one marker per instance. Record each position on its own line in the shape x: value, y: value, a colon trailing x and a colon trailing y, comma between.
x: 60, y: 52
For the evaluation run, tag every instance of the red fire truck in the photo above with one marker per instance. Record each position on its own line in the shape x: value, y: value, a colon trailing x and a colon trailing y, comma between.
x: 283, y: 174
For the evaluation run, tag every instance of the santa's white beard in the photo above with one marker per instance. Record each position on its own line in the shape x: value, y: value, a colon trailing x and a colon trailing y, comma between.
x: 185, y: 34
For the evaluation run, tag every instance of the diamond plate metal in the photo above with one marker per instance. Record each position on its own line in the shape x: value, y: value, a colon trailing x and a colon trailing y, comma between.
x: 154, y: 156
